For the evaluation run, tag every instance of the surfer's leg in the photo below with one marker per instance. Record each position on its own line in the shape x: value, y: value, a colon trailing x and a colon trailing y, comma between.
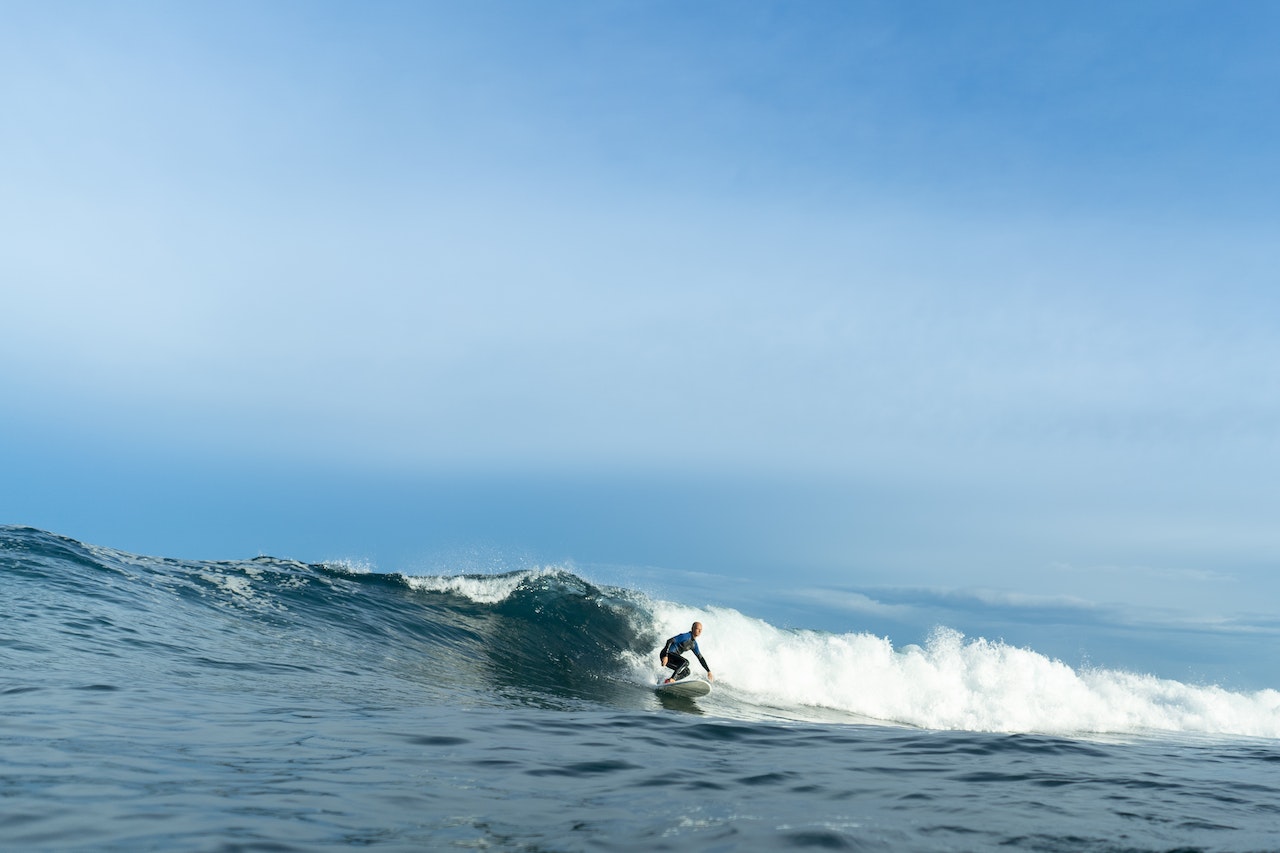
x: 679, y: 667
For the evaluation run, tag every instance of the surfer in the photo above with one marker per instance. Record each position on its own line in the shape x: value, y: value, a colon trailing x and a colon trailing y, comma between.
x: 672, y: 658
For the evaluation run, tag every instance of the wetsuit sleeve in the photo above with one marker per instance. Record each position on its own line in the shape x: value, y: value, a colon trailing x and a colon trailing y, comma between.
x: 666, y: 647
x: 698, y: 653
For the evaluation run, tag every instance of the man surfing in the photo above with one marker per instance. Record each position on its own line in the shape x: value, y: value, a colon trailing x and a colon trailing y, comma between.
x: 672, y: 658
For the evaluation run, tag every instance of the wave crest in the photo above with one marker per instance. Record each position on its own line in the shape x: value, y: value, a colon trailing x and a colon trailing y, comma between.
x: 546, y: 635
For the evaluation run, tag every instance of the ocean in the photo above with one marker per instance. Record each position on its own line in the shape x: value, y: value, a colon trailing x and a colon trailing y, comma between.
x: 270, y: 705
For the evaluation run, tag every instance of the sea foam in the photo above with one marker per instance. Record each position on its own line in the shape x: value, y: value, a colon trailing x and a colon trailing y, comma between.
x: 953, y: 682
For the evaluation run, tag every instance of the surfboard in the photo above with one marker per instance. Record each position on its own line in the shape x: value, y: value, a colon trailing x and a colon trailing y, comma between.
x: 687, y: 687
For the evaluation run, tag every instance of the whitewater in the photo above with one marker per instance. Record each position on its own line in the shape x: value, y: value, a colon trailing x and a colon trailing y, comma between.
x: 161, y: 704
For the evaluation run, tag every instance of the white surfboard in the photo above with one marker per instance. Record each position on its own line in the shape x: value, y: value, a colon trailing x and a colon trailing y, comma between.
x: 687, y: 687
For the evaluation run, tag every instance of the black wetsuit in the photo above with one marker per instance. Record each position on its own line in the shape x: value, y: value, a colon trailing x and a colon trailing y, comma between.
x: 675, y: 660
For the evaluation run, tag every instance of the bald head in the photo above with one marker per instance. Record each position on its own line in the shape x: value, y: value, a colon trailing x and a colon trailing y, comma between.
x: 696, y: 629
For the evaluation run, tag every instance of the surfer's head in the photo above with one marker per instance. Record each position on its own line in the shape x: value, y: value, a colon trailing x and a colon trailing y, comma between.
x: 696, y: 629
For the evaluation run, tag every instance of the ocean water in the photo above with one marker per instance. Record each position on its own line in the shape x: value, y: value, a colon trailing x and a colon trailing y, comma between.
x: 160, y: 704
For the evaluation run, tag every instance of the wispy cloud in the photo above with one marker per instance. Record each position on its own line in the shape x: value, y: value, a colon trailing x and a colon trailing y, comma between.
x: 1180, y: 575
x: 930, y: 605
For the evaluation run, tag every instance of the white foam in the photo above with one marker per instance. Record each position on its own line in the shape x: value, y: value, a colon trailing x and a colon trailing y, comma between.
x: 237, y: 589
x: 351, y: 567
x: 482, y: 589
x: 952, y: 683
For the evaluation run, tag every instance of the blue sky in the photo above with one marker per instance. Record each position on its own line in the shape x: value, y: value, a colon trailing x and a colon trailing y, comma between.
x: 897, y: 299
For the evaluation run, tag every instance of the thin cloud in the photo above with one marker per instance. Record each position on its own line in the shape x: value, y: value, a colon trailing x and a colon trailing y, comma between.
x: 1180, y: 575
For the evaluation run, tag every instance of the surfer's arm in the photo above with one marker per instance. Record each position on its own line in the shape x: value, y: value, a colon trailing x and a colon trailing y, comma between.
x: 698, y: 653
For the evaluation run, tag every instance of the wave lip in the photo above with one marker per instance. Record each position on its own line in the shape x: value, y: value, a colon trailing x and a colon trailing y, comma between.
x: 481, y: 589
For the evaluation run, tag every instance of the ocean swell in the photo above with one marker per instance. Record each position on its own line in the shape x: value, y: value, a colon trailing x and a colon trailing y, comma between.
x: 91, y: 615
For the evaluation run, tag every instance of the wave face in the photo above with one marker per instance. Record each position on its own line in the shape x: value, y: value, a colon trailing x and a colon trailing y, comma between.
x: 85, y: 617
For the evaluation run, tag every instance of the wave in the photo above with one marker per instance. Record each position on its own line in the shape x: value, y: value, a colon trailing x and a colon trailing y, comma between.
x: 549, y: 636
